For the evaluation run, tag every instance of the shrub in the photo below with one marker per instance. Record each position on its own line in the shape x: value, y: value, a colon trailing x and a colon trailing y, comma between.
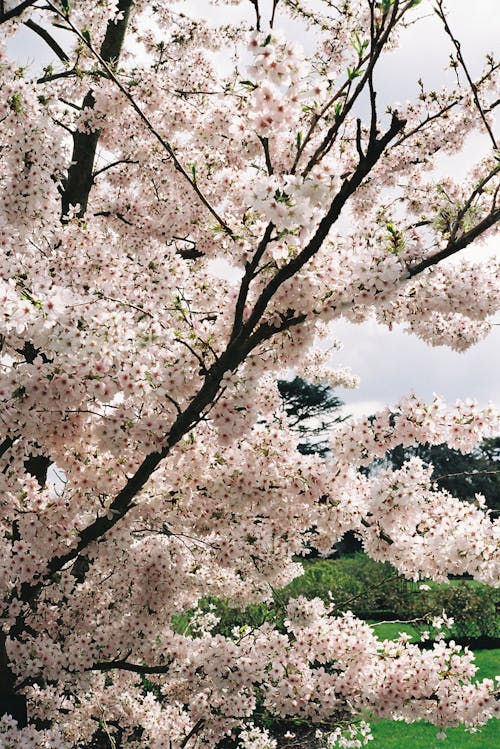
x: 472, y: 606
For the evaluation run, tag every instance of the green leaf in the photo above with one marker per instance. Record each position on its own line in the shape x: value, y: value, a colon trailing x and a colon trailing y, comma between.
x: 353, y: 73
x: 359, y: 44
x: 86, y: 34
x: 249, y: 84
x: 65, y: 6
x: 266, y: 41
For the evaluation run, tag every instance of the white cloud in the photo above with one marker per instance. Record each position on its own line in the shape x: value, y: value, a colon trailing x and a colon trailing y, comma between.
x: 393, y: 363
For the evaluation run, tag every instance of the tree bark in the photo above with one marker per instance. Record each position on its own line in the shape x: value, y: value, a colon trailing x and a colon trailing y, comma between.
x: 80, y: 177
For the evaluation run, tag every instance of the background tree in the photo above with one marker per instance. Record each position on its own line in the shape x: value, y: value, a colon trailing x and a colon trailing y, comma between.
x: 312, y: 410
x: 129, y: 166
x: 463, y: 475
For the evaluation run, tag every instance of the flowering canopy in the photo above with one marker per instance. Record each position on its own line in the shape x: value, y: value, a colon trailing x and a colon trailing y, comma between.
x: 154, y: 146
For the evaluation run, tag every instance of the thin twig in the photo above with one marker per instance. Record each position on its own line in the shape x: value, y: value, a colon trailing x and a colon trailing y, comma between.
x: 255, y: 4
x: 48, y: 39
x: 441, y: 14
x: 166, y: 146
x: 6, y: 15
x: 460, y: 244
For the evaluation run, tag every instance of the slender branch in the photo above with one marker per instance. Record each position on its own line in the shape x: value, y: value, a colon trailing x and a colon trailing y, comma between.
x: 120, y: 216
x: 195, y: 729
x: 464, y: 473
x: 150, y: 127
x: 255, y: 4
x: 203, y: 367
x: 443, y: 110
x: 381, y: 534
x: 79, y: 181
x: 442, y: 15
x: 6, y: 445
x: 359, y: 149
x: 459, y: 244
x: 113, y: 164
x: 265, y: 146
x: 371, y: 88
x: 422, y: 124
x: 468, y: 203
x: 6, y: 15
x: 136, y: 668
x: 273, y: 13
x: 363, y: 593
x: 350, y: 185
x: 250, y: 269
x: 48, y: 38
x: 377, y: 43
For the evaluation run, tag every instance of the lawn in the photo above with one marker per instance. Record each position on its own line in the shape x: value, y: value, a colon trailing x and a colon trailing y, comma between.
x: 388, y: 734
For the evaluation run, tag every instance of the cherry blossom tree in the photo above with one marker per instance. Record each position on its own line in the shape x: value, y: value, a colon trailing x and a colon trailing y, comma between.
x: 156, y: 149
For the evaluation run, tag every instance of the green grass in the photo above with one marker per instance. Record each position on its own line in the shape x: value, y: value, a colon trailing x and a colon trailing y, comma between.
x: 389, y: 734
x: 392, y: 630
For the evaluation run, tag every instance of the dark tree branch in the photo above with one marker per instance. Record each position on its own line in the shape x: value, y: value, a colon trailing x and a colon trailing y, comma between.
x: 6, y: 445
x: 113, y: 164
x: 459, y: 244
x: 105, y: 61
x: 349, y: 187
x: 120, y: 216
x: 80, y: 174
x: 255, y: 4
x: 195, y: 729
x: 442, y: 15
x: 273, y: 13
x: 250, y: 270
x: 468, y: 203
x: 359, y: 148
x: 136, y: 668
x: 381, y: 534
x: 48, y: 38
x: 377, y: 44
x: 6, y: 15
x: 267, y: 155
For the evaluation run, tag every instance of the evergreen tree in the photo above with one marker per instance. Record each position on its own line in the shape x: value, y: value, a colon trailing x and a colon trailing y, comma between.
x: 463, y: 475
x: 312, y: 409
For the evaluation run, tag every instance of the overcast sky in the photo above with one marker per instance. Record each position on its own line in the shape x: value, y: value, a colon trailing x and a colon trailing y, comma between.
x: 391, y: 364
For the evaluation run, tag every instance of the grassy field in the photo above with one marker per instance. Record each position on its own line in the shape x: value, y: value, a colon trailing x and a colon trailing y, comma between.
x: 388, y: 734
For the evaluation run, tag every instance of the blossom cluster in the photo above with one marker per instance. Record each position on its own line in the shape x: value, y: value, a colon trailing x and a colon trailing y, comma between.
x: 180, y: 223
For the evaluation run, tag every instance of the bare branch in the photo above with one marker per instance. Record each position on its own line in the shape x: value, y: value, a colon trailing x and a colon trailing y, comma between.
x: 442, y: 15
x: 255, y: 4
x: 104, y: 60
x: 6, y: 15
x: 113, y: 164
x: 48, y: 38
x: 273, y: 13
x: 124, y: 665
x: 80, y: 174
x: 459, y: 244
x: 267, y: 155
x: 358, y: 139
x: 250, y: 269
x: 195, y: 729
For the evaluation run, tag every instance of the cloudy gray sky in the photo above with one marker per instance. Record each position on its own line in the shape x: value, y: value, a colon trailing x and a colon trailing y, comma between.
x: 391, y: 364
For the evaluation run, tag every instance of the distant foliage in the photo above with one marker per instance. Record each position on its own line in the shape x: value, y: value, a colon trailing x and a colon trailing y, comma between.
x: 312, y: 409
x: 463, y: 475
